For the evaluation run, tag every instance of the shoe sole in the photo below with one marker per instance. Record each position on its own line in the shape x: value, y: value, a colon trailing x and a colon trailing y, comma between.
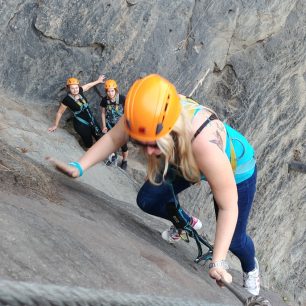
x: 168, y: 239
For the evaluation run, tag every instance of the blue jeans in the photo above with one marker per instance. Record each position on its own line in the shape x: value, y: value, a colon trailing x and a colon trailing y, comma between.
x: 242, y: 245
x: 162, y: 201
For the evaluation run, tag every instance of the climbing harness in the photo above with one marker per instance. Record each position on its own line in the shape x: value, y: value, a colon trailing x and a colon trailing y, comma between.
x: 110, y: 104
x: 114, y: 111
x: 85, y: 107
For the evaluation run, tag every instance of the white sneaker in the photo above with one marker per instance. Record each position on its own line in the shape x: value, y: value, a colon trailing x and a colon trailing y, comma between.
x: 173, y: 235
x: 251, y: 280
x: 196, y: 223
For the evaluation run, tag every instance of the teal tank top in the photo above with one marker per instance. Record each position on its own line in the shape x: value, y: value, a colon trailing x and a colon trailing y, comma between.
x: 245, y: 155
x: 243, y: 152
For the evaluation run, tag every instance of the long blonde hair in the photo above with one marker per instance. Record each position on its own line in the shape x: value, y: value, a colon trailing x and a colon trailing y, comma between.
x: 176, y: 150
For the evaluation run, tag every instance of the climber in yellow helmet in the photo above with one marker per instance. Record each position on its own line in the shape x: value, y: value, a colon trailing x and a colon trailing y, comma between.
x: 185, y: 142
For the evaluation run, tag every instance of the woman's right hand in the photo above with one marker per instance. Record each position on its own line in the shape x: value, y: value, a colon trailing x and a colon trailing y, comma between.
x: 52, y: 128
x: 104, y: 130
x: 220, y: 275
x: 68, y: 170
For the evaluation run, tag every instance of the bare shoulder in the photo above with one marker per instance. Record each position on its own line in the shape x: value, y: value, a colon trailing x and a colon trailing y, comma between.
x: 213, y: 133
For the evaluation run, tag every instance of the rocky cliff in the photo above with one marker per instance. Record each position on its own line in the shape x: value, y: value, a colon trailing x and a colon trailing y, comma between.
x: 245, y: 59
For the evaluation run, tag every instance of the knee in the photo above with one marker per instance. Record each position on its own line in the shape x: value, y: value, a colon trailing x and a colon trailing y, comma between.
x: 237, y: 243
x: 144, y: 200
x: 241, y: 244
x: 139, y: 199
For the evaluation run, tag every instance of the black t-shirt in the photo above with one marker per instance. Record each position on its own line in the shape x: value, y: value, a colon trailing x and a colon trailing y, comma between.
x: 113, y: 109
x: 74, y: 106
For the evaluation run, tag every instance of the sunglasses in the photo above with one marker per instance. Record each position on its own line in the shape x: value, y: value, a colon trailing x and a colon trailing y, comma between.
x: 144, y: 144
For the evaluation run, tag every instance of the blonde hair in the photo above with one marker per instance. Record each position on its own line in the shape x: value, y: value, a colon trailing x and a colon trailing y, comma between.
x: 176, y: 150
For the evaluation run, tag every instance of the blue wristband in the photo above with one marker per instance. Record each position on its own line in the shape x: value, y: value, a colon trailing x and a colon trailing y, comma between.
x: 78, y: 166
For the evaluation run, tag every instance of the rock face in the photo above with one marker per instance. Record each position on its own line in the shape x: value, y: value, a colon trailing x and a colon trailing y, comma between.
x: 245, y: 59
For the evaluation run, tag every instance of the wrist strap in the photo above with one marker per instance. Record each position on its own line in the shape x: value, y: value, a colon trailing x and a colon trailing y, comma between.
x: 219, y: 264
x: 78, y: 166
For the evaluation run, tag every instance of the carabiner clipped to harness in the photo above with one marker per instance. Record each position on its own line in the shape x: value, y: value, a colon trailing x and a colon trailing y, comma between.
x: 191, y: 232
x: 187, y: 230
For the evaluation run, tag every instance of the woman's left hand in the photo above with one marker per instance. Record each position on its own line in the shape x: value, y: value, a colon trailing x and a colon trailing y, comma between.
x: 220, y: 274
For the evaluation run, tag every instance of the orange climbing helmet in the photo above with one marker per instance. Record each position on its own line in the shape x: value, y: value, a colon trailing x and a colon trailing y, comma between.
x: 152, y: 107
x: 110, y: 84
x: 72, y: 81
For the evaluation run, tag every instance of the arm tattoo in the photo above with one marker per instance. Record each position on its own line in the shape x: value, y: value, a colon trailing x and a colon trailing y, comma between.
x: 217, y: 140
x: 217, y: 137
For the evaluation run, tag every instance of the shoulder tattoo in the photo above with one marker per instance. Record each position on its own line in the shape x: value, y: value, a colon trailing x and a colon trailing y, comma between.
x: 217, y: 138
